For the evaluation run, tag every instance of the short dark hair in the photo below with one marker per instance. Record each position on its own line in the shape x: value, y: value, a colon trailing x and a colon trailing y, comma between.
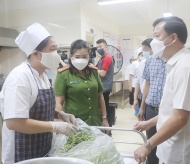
x: 101, y: 41
x: 174, y: 25
x: 140, y: 53
x: 43, y: 44
x: 146, y: 42
x: 78, y: 44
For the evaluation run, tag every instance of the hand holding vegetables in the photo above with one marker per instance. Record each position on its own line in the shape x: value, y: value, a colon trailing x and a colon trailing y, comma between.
x: 67, y: 117
x: 63, y: 128
x: 87, y: 143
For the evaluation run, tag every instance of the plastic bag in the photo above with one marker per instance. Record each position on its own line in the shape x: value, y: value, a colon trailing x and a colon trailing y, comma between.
x: 101, y: 150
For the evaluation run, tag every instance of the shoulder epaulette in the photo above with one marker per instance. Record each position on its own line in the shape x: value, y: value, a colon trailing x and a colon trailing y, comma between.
x: 63, y: 69
x: 92, y: 66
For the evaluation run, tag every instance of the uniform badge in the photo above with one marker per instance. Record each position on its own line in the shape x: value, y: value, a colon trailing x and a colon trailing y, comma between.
x: 75, y: 82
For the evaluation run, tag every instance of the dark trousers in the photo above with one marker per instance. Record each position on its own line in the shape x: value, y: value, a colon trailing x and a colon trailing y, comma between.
x: 131, y: 96
x: 109, y: 113
x: 151, y: 112
x: 139, y: 102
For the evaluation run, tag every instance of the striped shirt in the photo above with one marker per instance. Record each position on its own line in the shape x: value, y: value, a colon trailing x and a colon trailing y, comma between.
x: 155, y: 73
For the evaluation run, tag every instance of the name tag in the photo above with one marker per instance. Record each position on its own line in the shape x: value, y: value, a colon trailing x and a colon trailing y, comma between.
x: 75, y: 82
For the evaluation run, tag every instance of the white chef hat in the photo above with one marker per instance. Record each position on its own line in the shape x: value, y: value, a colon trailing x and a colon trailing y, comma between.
x: 28, y: 40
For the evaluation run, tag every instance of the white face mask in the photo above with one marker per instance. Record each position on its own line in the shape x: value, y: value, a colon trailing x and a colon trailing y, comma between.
x: 50, y: 60
x: 158, y: 47
x: 79, y: 64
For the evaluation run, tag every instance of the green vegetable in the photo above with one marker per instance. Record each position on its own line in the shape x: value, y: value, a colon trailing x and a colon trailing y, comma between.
x: 75, y: 139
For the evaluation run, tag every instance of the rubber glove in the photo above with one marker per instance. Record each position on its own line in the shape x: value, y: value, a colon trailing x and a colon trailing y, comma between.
x: 70, y: 118
x: 63, y: 128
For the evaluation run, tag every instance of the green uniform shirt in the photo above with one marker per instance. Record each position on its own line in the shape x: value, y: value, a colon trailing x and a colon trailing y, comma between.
x: 81, y: 94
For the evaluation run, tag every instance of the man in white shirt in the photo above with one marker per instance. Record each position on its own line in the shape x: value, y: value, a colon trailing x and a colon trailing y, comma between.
x: 147, y: 51
x: 127, y: 79
x: 128, y: 69
x: 133, y: 76
x: 173, y: 122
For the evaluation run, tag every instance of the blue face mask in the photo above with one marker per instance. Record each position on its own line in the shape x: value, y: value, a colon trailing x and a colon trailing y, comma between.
x: 146, y: 54
x: 100, y: 51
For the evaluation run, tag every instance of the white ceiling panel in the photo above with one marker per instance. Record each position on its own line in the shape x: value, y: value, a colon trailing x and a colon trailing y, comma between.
x: 137, y: 13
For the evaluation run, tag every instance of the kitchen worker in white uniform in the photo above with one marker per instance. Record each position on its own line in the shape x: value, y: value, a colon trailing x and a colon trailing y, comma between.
x: 28, y: 102
x: 173, y: 122
x: 133, y: 78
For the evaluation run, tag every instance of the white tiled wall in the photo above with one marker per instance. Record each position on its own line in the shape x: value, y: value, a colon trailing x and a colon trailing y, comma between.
x: 9, y: 59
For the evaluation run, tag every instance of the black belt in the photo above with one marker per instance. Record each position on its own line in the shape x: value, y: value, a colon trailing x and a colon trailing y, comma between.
x: 156, y: 109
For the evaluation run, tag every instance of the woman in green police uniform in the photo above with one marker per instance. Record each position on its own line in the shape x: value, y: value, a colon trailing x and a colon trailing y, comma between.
x: 78, y: 88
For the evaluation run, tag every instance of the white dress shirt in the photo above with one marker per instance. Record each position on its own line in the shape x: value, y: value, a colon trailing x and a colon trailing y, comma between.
x: 133, y: 71
x: 140, y: 70
x: 176, y: 95
x: 127, y: 72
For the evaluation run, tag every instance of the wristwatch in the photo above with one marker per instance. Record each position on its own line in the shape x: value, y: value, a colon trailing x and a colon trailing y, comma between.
x: 104, y: 117
x: 147, y: 145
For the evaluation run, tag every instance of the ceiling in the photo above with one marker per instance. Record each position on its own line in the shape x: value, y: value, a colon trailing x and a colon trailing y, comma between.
x: 124, y: 14
x: 141, y: 12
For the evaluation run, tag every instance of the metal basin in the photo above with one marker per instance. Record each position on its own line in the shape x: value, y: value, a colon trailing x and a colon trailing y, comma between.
x: 55, y: 160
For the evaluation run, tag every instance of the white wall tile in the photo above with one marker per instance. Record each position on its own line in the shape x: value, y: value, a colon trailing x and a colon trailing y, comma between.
x: 9, y: 59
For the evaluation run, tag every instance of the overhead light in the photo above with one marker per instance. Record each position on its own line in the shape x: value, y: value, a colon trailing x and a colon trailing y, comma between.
x: 56, y: 25
x: 167, y: 14
x: 109, y: 2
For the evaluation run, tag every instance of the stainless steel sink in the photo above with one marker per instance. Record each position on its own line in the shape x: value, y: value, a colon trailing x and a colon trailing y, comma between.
x: 57, y: 160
